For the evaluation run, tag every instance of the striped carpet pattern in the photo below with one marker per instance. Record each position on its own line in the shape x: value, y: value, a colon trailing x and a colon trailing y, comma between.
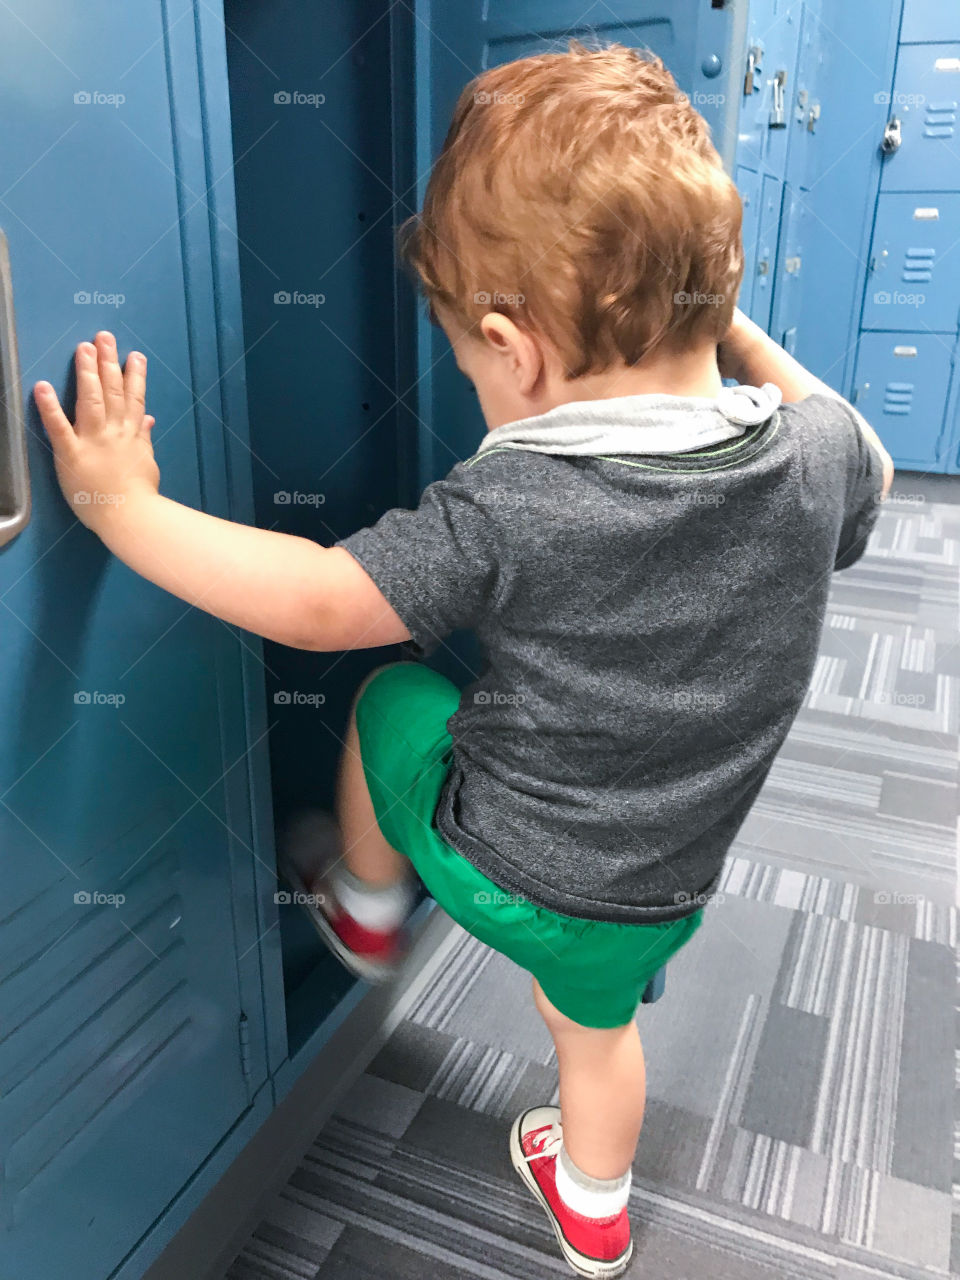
x: 803, y: 1065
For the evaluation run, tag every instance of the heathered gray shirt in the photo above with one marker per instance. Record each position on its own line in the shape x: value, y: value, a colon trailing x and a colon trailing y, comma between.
x: 648, y: 577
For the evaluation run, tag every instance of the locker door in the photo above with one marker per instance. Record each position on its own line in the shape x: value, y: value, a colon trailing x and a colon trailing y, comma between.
x: 914, y: 280
x: 789, y: 278
x: 754, y: 124
x: 748, y: 184
x: 900, y: 386
x: 120, y: 1062
x: 805, y: 100
x: 926, y: 97
x: 929, y: 20
x: 768, y: 82
x: 779, y: 82
x: 456, y: 42
x: 771, y: 201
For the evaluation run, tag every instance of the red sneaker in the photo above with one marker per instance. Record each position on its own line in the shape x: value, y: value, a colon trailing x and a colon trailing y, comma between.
x: 592, y: 1246
x: 372, y: 954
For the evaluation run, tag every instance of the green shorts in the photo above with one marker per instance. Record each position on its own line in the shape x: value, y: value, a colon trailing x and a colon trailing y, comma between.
x: 593, y: 971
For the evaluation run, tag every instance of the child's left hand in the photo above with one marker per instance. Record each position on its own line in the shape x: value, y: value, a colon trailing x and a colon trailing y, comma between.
x: 107, y: 457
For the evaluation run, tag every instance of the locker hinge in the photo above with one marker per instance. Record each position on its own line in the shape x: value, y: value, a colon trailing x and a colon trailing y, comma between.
x: 244, y: 1031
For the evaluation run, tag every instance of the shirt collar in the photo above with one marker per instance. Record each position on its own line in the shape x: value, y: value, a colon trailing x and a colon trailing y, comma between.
x: 653, y: 423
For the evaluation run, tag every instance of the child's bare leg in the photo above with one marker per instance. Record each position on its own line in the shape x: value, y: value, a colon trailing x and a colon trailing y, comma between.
x: 365, y: 851
x: 602, y: 1090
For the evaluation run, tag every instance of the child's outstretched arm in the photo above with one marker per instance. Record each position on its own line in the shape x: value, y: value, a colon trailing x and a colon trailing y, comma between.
x: 282, y: 587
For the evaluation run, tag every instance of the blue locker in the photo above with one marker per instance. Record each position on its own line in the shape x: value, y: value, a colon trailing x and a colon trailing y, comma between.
x: 777, y: 100
x: 748, y: 184
x: 751, y: 68
x: 767, y: 242
x: 335, y: 445
x: 929, y: 20
x: 769, y: 90
x: 926, y: 96
x: 806, y: 99
x: 790, y: 279
x: 914, y: 280
x: 836, y: 171
x: 131, y: 1031
x: 901, y: 386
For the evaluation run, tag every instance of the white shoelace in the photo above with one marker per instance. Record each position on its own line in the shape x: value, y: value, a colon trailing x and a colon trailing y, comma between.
x: 550, y: 1145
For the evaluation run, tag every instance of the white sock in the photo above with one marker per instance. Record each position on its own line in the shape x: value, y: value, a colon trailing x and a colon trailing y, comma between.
x: 592, y: 1197
x: 373, y: 906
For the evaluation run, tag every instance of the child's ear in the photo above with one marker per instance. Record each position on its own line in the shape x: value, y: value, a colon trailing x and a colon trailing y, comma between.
x: 498, y: 331
x: 519, y: 346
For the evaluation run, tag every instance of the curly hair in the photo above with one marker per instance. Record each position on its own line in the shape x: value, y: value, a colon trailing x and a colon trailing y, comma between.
x: 580, y: 193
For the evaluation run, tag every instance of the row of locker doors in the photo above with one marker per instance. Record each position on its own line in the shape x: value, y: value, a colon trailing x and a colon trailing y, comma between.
x: 906, y: 350
x: 911, y: 306
x: 903, y: 341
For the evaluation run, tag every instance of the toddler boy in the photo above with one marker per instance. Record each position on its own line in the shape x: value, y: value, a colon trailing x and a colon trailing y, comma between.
x: 644, y: 553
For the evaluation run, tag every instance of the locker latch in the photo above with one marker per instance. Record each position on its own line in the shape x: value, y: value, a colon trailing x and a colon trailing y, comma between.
x: 792, y: 265
x: 892, y: 137
x: 813, y: 115
x: 879, y: 260
x: 778, y: 116
x: 754, y: 58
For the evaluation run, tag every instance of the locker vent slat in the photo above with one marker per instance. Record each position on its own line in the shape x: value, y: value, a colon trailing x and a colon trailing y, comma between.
x: 918, y: 266
x: 940, y: 119
x: 81, y: 1027
x: 898, y: 398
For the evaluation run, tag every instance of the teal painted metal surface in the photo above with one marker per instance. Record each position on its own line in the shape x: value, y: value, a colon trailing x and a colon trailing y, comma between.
x: 122, y: 828
x: 925, y: 99
x: 901, y: 386
x: 931, y: 20
x: 914, y: 280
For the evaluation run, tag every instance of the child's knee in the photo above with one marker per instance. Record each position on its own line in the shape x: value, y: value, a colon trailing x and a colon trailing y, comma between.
x: 386, y: 666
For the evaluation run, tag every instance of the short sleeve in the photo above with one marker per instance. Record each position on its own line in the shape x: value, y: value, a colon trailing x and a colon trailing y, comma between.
x: 863, y: 489
x: 439, y: 566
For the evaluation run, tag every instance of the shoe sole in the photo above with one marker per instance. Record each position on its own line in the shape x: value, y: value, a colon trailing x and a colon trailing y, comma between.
x: 369, y: 970
x: 583, y: 1265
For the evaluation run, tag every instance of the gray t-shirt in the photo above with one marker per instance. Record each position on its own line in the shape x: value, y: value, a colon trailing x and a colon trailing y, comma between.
x: 650, y: 621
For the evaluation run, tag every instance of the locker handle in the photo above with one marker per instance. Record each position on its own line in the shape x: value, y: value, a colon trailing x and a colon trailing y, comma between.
x: 754, y: 56
x: 14, y: 473
x: 892, y: 136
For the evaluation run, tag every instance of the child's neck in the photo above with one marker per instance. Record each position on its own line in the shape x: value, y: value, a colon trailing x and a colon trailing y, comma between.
x: 692, y: 373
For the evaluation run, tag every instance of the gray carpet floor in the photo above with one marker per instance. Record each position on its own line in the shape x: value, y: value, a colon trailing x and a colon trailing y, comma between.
x: 802, y: 1065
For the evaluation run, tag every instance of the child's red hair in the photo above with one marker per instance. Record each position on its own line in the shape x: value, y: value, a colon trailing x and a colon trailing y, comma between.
x: 580, y: 194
